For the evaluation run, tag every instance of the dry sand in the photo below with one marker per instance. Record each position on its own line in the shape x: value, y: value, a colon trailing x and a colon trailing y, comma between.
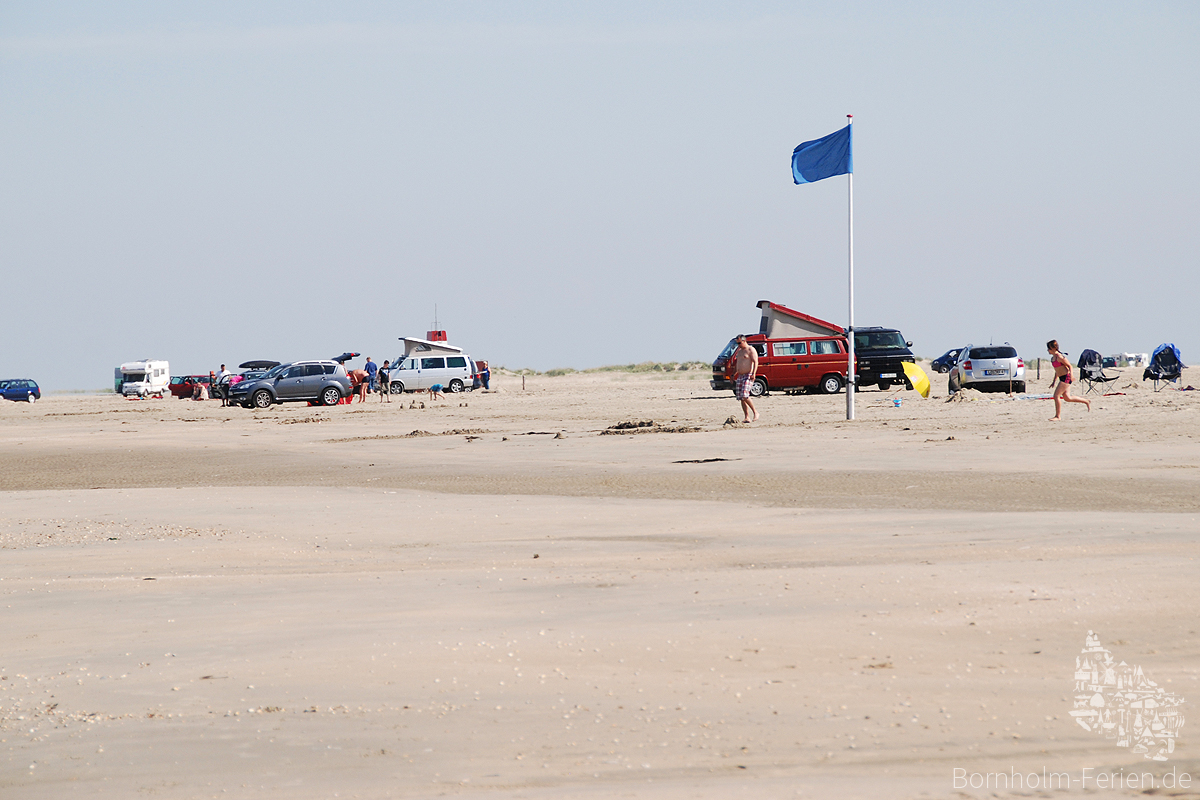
x: 199, y: 601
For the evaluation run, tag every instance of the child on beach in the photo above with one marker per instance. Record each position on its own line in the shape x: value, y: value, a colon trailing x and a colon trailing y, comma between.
x: 1063, y: 374
x: 385, y: 388
x: 435, y: 392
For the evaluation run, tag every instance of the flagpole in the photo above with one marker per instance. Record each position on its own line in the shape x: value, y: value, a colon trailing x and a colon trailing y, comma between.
x: 850, y: 377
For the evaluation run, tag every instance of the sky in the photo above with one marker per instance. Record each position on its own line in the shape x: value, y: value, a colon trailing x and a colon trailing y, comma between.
x: 587, y: 183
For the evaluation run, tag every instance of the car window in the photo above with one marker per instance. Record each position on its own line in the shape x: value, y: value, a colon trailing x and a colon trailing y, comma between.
x: 789, y: 348
x: 275, y: 371
x: 314, y: 369
x: 433, y: 363
x: 993, y: 352
x: 760, y: 348
x: 878, y: 339
x: 456, y: 361
x: 330, y: 369
x: 295, y: 372
x: 824, y: 347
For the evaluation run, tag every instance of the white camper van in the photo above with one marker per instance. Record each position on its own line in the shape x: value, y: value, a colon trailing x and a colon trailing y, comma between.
x: 426, y: 363
x: 144, y: 378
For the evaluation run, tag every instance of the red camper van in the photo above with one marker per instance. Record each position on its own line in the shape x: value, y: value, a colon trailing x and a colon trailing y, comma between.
x: 795, y: 351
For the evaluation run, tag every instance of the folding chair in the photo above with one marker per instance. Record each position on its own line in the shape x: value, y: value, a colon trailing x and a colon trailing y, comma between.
x: 1165, y: 366
x: 1091, y: 371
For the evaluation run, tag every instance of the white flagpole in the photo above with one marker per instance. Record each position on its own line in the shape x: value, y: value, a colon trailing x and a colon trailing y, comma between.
x: 850, y: 329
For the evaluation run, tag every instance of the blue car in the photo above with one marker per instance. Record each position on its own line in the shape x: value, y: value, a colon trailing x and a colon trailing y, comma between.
x: 21, y: 389
x: 946, y: 361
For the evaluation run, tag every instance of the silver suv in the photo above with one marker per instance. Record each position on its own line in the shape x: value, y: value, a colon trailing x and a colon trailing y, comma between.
x: 300, y: 381
x: 995, y: 367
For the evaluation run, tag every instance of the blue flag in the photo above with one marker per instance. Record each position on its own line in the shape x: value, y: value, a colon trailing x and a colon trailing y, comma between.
x: 823, y: 158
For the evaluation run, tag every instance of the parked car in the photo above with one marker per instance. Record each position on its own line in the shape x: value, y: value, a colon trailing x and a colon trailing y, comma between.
x: 798, y: 362
x: 182, y: 386
x: 453, y: 372
x: 300, y: 381
x: 945, y: 362
x: 991, y: 368
x: 879, y: 356
x: 22, y: 389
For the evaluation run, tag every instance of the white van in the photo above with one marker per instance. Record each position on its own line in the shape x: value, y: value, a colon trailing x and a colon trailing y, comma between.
x: 425, y: 363
x: 143, y: 378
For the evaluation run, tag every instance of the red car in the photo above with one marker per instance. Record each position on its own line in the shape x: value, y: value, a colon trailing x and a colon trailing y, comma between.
x: 182, y: 386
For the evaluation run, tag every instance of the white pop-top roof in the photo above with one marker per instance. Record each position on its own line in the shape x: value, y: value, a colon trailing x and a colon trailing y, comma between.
x: 413, y: 345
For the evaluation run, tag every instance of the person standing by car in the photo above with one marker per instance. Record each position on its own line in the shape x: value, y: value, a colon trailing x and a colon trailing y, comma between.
x: 371, y: 367
x: 1062, y: 374
x: 745, y: 367
x: 221, y: 387
x: 385, y: 388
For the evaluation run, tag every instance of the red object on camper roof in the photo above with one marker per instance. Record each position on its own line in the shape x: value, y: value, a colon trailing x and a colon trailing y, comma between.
x: 834, y: 330
x: 436, y: 336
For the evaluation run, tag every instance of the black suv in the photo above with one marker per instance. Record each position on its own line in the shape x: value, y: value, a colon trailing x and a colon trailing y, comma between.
x: 880, y: 354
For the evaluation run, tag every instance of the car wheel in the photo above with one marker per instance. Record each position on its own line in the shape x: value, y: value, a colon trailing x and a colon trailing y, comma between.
x: 954, y: 383
x: 831, y: 384
x: 396, y: 387
x: 456, y: 386
x: 331, y: 396
x: 885, y: 385
x: 263, y: 399
x: 759, y: 387
x: 30, y: 398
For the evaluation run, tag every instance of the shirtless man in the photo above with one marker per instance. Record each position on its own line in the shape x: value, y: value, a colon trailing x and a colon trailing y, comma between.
x: 745, y: 367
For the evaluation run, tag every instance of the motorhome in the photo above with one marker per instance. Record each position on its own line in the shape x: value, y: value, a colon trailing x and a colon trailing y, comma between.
x: 427, y: 362
x: 145, y: 378
x: 798, y: 352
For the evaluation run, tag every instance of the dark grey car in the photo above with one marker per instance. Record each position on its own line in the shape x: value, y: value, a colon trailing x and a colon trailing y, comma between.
x: 300, y: 381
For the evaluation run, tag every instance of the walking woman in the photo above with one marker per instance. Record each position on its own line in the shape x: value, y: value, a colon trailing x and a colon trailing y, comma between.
x: 1062, y: 374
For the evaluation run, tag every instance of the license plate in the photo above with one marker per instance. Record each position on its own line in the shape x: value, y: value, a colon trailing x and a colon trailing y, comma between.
x: 995, y: 372
x: 887, y: 374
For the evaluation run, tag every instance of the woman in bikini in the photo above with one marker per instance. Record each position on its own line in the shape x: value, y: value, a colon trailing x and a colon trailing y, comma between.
x: 1062, y: 374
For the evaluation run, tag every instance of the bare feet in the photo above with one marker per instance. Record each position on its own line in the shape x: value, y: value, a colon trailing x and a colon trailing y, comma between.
x: 1055, y: 419
x: 755, y: 419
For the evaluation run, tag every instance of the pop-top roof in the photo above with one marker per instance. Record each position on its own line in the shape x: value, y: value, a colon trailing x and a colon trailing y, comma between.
x: 779, y: 321
x: 414, y: 345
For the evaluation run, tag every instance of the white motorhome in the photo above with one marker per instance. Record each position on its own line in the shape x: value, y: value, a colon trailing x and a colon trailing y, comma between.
x: 426, y: 363
x: 143, y: 378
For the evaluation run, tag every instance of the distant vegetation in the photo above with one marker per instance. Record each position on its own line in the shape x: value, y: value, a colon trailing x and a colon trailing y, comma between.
x: 645, y: 366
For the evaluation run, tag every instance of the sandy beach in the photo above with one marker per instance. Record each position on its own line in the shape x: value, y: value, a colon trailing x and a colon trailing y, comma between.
x: 500, y: 595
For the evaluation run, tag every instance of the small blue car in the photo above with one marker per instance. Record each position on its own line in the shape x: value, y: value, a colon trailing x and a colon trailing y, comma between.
x: 946, y: 361
x: 21, y: 389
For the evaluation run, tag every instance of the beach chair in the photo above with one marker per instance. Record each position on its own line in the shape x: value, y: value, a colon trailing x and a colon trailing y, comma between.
x: 1091, y: 371
x: 1166, y: 366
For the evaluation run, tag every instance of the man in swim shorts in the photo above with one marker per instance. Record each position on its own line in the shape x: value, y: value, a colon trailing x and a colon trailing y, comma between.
x: 745, y: 367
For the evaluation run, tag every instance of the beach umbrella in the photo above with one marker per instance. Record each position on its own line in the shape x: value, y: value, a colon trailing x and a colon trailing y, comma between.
x: 917, y: 377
